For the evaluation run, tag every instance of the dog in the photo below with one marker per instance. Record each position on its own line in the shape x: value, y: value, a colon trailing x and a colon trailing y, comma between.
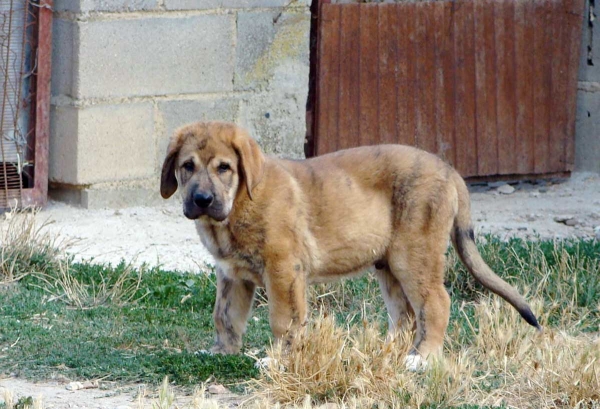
x: 283, y: 224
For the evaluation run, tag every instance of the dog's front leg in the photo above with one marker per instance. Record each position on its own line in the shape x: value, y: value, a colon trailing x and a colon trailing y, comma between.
x: 286, y: 290
x: 232, y: 309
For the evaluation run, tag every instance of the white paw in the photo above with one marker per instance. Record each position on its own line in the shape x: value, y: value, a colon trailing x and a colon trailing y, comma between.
x: 415, y: 363
x: 204, y: 352
x: 265, y: 363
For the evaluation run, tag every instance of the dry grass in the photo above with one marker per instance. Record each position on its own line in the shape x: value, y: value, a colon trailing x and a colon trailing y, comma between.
x: 507, y: 363
x: 8, y: 401
x: 79, y: 292
x: 166, y: 399
x: 501, y: 360
x: 25, y: 246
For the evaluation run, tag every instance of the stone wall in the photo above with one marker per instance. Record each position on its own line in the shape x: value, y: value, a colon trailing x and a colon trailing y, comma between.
x: 126, y: 73
x: 587, y: 134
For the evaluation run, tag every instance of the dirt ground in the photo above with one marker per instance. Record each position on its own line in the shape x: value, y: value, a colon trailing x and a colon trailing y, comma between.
x: 162, y: 236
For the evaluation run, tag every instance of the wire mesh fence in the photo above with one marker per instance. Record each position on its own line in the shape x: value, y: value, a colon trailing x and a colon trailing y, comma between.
x: 18, y: 74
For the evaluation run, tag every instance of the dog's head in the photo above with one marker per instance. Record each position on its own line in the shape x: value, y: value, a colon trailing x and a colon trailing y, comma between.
x: 211, y: 162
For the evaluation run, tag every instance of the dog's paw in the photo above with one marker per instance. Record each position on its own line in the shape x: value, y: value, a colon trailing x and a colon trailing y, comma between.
x: 415, y: 363
x: 216, y: 350
x: 220, y: 349
x: 265, y: 363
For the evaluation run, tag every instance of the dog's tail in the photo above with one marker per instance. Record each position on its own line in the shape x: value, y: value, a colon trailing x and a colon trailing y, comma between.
x: 463, y: 239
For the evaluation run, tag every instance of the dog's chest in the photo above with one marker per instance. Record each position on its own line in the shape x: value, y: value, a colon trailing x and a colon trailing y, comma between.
x: 217, y: 240
x: 236, y: 258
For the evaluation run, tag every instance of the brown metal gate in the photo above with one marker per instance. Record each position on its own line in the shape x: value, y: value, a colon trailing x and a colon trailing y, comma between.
x: 488, y: 85
x: 25, y: 53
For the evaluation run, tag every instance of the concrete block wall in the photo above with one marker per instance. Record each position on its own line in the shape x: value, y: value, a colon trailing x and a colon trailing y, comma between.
x: 126, y: 73
x: 587, y: 134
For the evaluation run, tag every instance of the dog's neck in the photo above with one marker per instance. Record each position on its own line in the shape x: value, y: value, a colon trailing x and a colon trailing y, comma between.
x: 215, y: 236
x: 208, y: 222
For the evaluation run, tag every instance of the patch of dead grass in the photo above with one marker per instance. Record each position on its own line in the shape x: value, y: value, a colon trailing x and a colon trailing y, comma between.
x: 62, y: 284
x: 25, y: 245
x: 507, y: 363
x: 8, y: 400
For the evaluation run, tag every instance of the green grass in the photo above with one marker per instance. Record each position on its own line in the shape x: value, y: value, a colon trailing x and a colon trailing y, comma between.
x: 145, y: 340
x: 566, y: 275
x: 166, y: 318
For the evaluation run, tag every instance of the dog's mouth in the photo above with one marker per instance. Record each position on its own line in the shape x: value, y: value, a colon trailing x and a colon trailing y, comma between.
x: 216, y: 211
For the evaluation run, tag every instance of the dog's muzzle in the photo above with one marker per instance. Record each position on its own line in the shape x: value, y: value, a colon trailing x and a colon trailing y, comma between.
x: 203, y: 203
x: 203, y: 199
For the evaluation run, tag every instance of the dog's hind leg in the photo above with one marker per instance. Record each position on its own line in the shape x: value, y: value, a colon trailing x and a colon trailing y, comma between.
x: 419, y: 266
x: 398, y: 308
x: 232, y: 309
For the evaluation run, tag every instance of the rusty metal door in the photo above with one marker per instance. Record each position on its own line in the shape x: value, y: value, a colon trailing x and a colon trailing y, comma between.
x: 488, y: 85
x: 25, y: 53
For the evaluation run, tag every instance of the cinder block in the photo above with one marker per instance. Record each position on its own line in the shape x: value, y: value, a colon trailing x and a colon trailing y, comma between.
x: 587, y: 133
x: 107, y: 197
x: 277, y: 121
x: 593, y: 71
x: 64, y: 34
x: 255, y: 33
x: 84, y: 6
x: 193, y: 4
x: 589, y: 67
x: 102, y: 143
x: 62, y: 161
x: 268, y: 42
x: 118, y: 5
x: 178, y: 113
x: 233, y: 4
x: 70, y: 195
x: 242, y: 4
x: 116, y: 142
x: 73, y: 6
x: 156, y: 56
x: 120, y: 197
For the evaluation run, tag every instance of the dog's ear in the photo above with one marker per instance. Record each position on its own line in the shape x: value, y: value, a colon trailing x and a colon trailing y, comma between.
x: 252, y: 160
x: 168, y: 181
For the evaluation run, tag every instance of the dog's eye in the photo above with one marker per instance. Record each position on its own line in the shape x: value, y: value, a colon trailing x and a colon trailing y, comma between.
x: 223, y: 167
x: 189, y: 166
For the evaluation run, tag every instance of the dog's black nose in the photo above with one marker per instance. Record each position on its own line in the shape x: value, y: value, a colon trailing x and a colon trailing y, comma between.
x: 203, y: 199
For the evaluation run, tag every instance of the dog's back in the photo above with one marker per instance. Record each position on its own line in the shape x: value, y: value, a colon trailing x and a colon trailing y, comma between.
x: 360, y: 199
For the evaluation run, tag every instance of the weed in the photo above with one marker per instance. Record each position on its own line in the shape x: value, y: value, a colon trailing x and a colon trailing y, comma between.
x: 26, y: 247
x: 117, y: 289
x: 24, y: 402
x: 165, y: 396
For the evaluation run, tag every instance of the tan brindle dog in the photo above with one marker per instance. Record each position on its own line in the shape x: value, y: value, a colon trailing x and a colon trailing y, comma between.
x: 284, y: 224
